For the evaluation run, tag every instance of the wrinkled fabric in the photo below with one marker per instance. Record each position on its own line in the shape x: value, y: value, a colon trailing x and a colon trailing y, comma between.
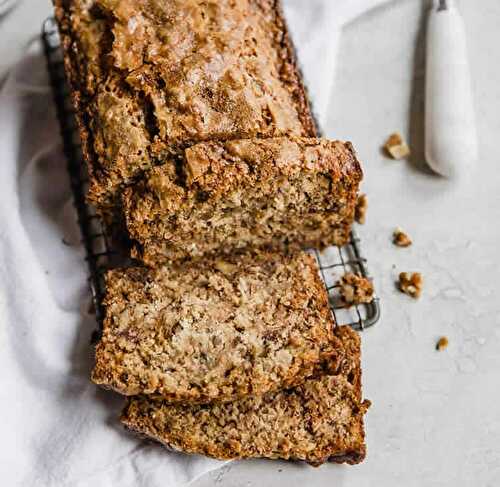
x: 58, y: 429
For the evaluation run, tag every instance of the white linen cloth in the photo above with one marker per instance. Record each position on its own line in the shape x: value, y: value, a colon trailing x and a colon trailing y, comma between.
x: 58, y: 429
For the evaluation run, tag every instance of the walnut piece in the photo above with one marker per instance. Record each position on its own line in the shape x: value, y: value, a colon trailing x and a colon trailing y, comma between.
x: 355, y: 289
x: 411, y: 283
x: 396, y: 147
x: 400, y: 238
x: 360, y: 210
x: 442, y: 344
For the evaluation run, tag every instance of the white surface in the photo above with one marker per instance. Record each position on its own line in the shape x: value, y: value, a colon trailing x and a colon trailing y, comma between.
x: 450, y: 129
x: 435, y: 419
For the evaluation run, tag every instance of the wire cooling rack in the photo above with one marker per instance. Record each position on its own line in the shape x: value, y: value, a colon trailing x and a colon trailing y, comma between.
x: 100, y: 253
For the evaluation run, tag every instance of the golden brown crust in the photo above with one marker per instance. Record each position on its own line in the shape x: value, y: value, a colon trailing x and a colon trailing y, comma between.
x: 214, y: 329
x: 317, y: 421
x: 150, y: 78
x: 261, y: 193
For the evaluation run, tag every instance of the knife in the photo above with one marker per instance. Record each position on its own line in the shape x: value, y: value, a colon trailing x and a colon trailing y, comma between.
x: 451, y: 147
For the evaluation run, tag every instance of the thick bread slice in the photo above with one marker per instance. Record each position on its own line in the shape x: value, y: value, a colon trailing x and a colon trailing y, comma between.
x: 252, y: 193
x: 320, y: 420
x: 214, y: 329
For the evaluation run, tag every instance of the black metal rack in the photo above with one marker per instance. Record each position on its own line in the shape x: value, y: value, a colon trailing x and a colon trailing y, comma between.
x: 100, y: 254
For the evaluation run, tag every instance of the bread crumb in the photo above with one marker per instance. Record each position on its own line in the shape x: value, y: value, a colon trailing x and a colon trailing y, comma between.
x: 360, y: 210
x: 355, y: 289
x: 396, y: 147
x: 400, y: 238
x: 411, y: 283
x: 442, y: 344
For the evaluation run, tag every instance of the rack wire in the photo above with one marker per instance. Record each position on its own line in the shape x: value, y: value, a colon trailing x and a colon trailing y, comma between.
x: 102, y: 255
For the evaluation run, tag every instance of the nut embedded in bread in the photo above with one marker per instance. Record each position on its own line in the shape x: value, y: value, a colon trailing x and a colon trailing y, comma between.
x: 317, y: 421
x: 151, y: 78
x: 215, y: 329
x: 253, y: 193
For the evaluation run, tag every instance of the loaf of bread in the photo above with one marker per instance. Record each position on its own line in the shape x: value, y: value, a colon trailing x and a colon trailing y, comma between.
x: 214, y: 329
x: 317, y: 421
x: 276, y: 193
x: 198, y: 136
x: 149, y: 79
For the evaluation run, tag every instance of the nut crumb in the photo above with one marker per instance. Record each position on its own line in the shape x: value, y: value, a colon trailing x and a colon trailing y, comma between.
x: 400, y: 238
x: 442, y: 344
x: 225, y: 267
x: 396, y: 147
x: 360, y: 210
x: 355, y: 289
x: 411, y: 283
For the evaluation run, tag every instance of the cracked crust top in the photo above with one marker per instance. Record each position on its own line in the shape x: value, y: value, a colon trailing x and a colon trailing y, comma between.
x: 151, y: 77
x: 214, y: 329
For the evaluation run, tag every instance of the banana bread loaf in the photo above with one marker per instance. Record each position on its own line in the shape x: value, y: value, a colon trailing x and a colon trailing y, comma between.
x: 260, y: 193
x: 214, y: 329
x: 150, y: 78
x: 319, y: 420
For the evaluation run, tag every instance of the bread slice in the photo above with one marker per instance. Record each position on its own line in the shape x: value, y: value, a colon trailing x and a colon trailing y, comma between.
x: 214, y: 329
x: 319, y: 420
x: 273, y: 193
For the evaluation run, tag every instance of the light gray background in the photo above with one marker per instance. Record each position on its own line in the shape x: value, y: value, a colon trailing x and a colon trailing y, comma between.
x: 435, y: 419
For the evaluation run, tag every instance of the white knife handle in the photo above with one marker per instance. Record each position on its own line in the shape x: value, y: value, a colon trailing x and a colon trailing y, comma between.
x: 450, y: 132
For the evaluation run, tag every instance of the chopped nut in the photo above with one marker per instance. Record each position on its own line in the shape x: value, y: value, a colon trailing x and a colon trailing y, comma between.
x: 396, y: 147
x: 442, y: 344
x: 355, y: 289
x: 411, y: 283
x: 360, y: 210
x: 401, y: 239
x: 225, y: 267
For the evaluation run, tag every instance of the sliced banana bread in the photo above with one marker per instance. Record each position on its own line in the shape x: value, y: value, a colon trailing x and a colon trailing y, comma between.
x: 260, y: 193
x: 214, y: 329
x: 319, y: 420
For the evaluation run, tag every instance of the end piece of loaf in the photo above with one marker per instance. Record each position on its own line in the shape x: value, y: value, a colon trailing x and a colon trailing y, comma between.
x: 151, y: 78
x: 257, y: 193
x: 317, y: 421
x: 214, y: 329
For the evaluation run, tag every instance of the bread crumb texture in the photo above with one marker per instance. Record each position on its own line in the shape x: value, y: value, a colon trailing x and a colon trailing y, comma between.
x: 274, y: 193
x: 317, y: 421
x: 214, y: 329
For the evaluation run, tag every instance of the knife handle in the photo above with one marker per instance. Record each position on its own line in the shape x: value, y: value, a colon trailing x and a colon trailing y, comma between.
x: 451, y: 147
